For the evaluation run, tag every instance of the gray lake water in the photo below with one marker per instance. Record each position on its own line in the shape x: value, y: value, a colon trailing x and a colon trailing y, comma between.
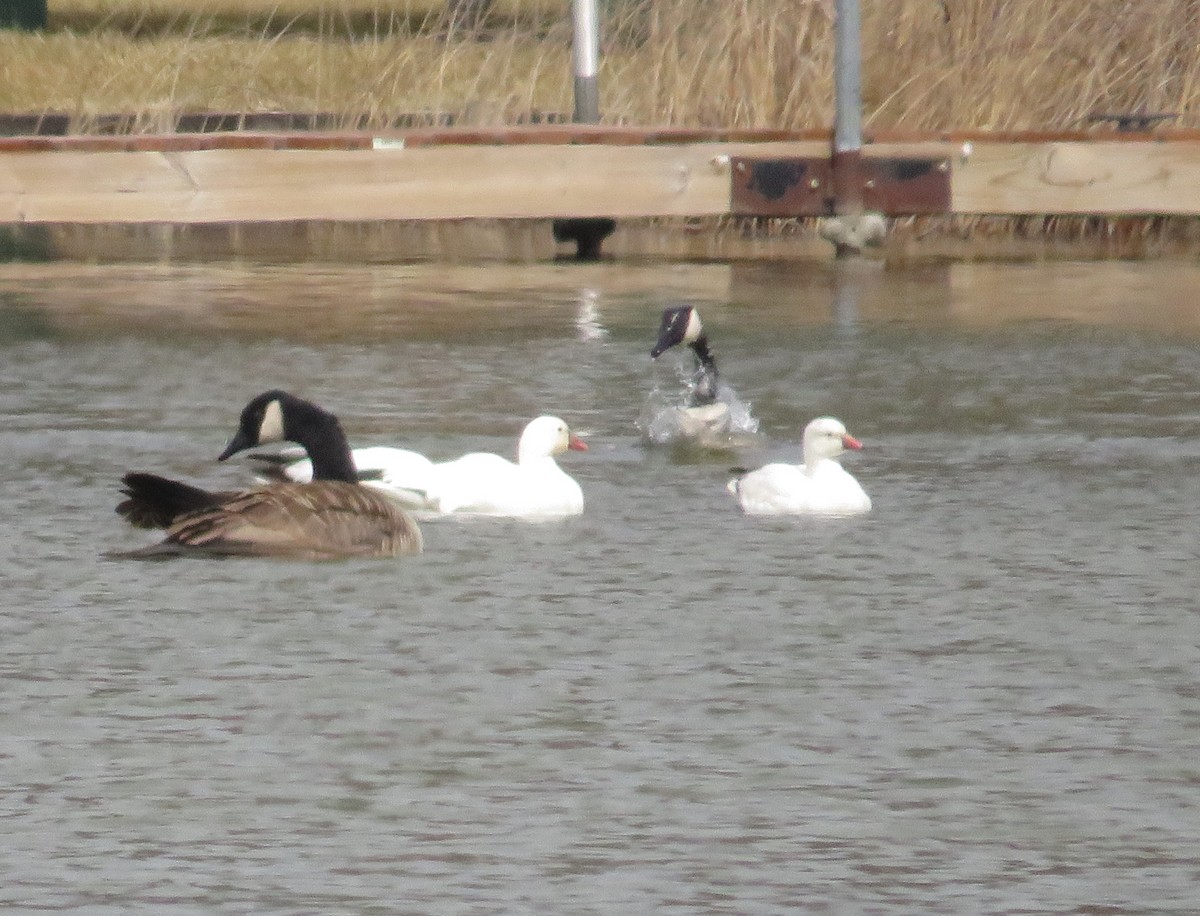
x: 983, y: 697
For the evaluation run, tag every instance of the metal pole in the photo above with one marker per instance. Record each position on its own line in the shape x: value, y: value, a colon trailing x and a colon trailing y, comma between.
x: 847, y: 126
x: 847, y: 66
x: 586, y: 232
x: 585, y: 55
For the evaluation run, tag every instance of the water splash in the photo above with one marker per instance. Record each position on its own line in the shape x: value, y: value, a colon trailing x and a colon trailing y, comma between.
x: 674, y: 419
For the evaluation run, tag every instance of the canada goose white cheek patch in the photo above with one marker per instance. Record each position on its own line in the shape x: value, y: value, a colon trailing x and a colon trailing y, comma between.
x: 271, y: 428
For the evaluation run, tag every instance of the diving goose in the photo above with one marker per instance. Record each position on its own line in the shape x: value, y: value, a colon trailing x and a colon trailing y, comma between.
x: 819, y: 486
x: 332, y: 517
x: 481, y: 483
x: 711, y: 414
x: 681, y: 325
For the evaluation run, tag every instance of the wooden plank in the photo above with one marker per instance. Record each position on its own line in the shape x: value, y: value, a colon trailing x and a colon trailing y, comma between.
x: 177, y: 184
x: 1079, y: 178
x: 451, y: 182
x: 90, y: 187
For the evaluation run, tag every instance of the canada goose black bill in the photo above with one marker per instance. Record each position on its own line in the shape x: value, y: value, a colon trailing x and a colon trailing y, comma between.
x: 331, y: 517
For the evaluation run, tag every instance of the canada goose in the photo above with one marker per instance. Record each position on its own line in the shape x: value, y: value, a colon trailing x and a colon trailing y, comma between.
x: 681, y: 325
x: 819, y: 486
x: 711, y: 415
x: 334, y: 516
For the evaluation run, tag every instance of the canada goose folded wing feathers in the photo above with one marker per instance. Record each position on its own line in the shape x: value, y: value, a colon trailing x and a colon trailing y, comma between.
x: 304, y: 521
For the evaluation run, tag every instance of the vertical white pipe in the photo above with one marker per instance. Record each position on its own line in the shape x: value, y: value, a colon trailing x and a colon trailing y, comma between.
x: 585, y: 56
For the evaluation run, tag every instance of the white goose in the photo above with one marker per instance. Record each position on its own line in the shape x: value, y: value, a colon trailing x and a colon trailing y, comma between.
x: 820, y: 486
x: 481, y: 483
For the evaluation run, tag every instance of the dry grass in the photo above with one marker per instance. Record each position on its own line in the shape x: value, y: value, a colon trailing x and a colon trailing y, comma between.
x: 928, y: 64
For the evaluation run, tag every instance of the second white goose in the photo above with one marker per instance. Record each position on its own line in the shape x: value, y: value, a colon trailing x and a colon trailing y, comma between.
x: 819, y: 486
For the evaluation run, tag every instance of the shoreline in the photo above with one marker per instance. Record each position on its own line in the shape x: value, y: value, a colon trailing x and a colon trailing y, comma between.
x: 464, y: 193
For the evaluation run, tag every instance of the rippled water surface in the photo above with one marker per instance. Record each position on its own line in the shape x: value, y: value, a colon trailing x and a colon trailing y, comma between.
x: 982, y: 697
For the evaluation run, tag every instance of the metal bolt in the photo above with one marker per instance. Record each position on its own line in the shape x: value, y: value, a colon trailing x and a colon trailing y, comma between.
x: 943, y: 166
x: 814, y: 183
x: 869, y: 183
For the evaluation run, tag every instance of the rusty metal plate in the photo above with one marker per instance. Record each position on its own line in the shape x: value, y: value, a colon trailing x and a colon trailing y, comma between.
x: 794, y: 186
x: 906, y: 187
x: 803, y: 186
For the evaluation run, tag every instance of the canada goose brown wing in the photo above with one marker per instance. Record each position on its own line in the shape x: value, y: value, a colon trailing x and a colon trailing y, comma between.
x: 321, y: 520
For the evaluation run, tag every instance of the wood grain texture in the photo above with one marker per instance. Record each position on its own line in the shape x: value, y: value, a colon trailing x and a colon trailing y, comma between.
x: 540, y: 181
x: 444, y: 182
x: 1079, y: 178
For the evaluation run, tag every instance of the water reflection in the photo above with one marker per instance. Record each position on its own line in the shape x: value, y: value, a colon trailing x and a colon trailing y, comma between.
x: 588, y: 320
x: 339, y: 302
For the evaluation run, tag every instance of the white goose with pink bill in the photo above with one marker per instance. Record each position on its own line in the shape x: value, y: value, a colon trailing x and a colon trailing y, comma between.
x: 819, y: 486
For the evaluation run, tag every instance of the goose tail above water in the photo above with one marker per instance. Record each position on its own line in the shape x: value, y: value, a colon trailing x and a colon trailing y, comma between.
x: 153, y: 501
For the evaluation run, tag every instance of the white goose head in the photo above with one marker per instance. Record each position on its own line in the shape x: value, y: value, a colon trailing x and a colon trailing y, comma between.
x: 547, y: 436
x: 826, y: 438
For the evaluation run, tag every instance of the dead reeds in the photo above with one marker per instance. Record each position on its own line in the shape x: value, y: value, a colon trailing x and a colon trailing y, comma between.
x: 928, y: 64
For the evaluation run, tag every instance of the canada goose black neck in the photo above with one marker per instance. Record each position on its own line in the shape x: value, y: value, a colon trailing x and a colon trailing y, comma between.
x: 681, y: 324
x: 323, y: 438
x: 277, y: 415
x: 705, y: 389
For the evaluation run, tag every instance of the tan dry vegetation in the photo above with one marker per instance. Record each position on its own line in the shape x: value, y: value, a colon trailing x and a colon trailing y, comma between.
x: 928, y: 64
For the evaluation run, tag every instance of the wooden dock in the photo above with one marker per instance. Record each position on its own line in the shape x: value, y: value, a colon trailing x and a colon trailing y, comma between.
x: 556, y: 172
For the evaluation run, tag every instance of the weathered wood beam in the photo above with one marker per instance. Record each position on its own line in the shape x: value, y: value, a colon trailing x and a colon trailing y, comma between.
x: 236, y: 179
